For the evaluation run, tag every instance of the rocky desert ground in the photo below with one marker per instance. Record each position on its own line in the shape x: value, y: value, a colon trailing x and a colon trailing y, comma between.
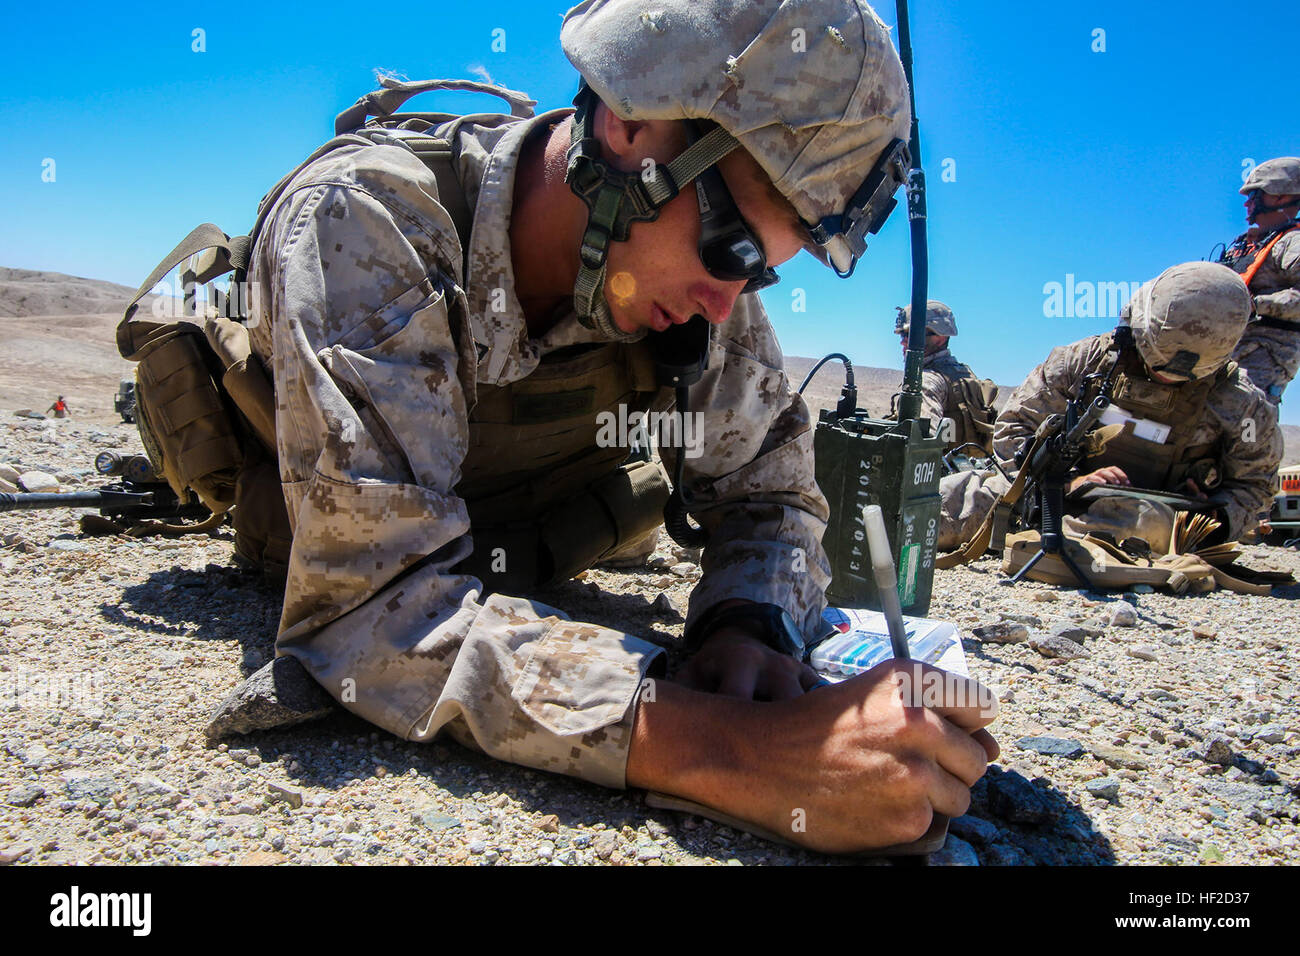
x: 1135, y: 727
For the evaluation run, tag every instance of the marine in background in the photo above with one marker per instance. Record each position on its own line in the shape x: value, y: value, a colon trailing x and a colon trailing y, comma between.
x: 1267, y: 256
x: 1202, y: 428
x: 949, y: 389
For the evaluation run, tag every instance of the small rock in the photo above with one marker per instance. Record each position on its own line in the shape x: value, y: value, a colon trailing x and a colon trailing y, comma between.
x: 605, y: 843
x: 84, y: 785
x: 8, y: 487
x: 10, y: 855
x: 1105, y: 788
x: 1061, y: 648
x: 281, y: 794
x: 1122, y: 614
x: 974, y: 829
x: 1116, y: 757
x: 1143, y: 652
x: 478, y: 847
x: 648, y: 851
x: 66, y: 544
x: 1014, y: 798
x: 1218, y: 750
x: 1271, y: 734
x: 1052, y: 747
x: 1072, y: 632
x: 1204, y: 631
x: 548, y: 824
x: 662, y: 607
x: 684, y: 569
x: 38, y: 481
x: 1044, y: 597
x: 1029, y: 620
x: 955, y: 852
x: 281, y: 694
x: 435, y: 821
x: 263, y: 858
x: 1003, y: 632
x: 25, y: 796
x: 10, y: 474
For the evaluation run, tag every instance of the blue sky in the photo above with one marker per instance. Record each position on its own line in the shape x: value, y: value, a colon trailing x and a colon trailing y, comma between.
x: 1107, y: 166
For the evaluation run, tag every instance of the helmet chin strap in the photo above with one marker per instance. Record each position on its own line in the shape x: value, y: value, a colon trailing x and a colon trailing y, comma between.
x: 1261, y: 209
x: 615, y: 199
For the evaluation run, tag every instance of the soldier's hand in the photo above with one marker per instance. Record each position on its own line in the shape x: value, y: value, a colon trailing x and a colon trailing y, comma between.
x: 734, y: 663
x: 870, y: 760
x: 1108, y: 475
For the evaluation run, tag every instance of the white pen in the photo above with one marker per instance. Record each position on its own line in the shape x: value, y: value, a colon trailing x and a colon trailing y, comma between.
x: 882, y: 567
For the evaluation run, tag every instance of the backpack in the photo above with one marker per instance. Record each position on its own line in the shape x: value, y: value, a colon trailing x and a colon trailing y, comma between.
x: 973, y: 409
x: 205, y: 404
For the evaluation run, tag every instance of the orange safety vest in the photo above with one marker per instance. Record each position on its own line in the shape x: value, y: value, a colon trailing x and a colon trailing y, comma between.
x: 1249, y: 275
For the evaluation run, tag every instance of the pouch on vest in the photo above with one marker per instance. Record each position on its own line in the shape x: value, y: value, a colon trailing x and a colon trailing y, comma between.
x: 620, y: 506
x: 205, y: 405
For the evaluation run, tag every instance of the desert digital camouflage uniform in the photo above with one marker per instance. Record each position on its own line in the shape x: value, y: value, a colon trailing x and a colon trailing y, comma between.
x: 1247, y: 466
x: 1186, y: 322
x: 941, y: 396
x: 1270, y: 261
x: 1270, y: 354
x: 940, y: 371
x: 379, y: 328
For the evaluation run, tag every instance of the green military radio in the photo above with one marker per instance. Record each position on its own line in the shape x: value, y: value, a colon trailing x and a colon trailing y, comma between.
x: 894, y: 464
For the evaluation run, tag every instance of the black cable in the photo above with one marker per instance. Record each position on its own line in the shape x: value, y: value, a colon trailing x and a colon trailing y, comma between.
x: 677, y: 518
x: 848, y: 370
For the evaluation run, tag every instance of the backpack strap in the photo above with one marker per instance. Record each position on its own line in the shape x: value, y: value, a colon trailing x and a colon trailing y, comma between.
x: 394, y: 92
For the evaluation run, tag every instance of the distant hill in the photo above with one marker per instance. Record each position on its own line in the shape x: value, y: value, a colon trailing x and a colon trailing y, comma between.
x: 27, y: 292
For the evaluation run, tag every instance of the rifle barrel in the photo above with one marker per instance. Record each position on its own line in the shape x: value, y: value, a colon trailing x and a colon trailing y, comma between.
x: 42, y: 501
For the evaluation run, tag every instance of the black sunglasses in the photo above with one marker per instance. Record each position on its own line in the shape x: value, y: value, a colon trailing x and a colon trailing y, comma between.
x: 729, y: 249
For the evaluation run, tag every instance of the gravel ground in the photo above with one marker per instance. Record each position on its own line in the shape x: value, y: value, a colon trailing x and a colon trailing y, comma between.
x: 1174, y: 741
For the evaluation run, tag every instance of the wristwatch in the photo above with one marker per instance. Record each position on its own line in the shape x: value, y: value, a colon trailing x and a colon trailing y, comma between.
x: 770, y: 623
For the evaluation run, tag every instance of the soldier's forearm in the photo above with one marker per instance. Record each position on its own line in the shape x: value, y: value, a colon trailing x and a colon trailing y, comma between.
x: 687, y: 743
x: 1281, y: 305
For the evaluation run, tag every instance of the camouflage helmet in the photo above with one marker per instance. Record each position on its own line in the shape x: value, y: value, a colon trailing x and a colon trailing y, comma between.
x: 938, y: 319
x: 1187, y: 321
x: 813, y: 90
x: 1274, y: 177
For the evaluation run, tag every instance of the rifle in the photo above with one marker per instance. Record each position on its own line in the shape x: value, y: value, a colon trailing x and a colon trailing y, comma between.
x: 141, y: 503
x: 1058, y: 445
